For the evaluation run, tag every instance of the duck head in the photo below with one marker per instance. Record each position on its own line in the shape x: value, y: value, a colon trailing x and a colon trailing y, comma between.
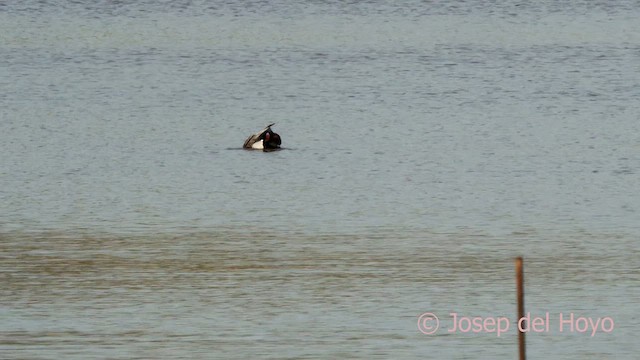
x: 271, y: 141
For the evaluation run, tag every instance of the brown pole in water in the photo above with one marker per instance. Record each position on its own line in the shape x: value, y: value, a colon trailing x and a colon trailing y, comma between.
x: 520, y: 295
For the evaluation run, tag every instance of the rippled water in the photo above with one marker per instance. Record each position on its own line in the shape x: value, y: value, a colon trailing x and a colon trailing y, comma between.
x: 425, y: 145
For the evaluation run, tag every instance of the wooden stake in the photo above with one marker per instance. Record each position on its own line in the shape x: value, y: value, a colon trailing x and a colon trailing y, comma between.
x: 520, y: 295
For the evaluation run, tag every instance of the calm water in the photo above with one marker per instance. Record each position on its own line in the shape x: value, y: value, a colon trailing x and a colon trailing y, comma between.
x: 426, y: 145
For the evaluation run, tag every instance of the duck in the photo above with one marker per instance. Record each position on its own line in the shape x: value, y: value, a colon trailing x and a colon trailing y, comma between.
x: 265, y: 140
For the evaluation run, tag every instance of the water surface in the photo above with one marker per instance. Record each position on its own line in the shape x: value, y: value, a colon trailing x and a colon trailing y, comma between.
x: 426, y: 146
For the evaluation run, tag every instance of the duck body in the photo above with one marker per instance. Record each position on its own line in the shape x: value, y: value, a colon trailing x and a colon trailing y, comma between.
x: 265, y: 140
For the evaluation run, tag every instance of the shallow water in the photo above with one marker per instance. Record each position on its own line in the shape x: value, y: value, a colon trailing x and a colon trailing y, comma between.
x: 425, y: 147
x: 235, y: 295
